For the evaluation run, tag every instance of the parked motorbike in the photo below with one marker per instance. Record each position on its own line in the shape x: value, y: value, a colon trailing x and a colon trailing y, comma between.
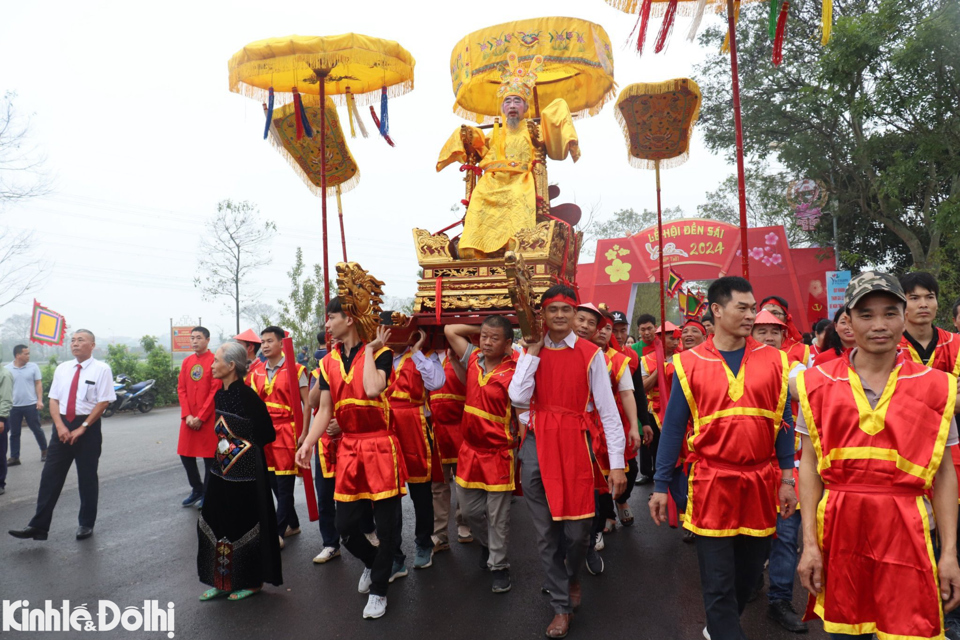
x: 140, y: 396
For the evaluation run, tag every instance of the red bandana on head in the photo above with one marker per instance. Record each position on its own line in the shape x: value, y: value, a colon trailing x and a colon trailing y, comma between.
x: 559, y: 298
x: 792, y: 332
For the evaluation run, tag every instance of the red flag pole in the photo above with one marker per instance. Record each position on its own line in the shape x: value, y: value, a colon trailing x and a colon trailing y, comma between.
x: 741, y: 185
x: 323, y: 187
x: 343, y: 237
x: 293, y: 380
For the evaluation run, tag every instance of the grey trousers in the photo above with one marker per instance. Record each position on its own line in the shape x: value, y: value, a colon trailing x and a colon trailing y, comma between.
x: 441, y: 506
x: 488, y: 514
x: 556, y: 539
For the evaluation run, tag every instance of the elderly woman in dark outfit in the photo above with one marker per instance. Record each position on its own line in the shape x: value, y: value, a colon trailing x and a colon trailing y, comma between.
x: 239, y: 548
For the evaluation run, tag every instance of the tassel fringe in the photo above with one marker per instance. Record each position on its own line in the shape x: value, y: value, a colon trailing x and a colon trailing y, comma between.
x: 772, y: 21
x: 697, y: 19
x: 298, y: 108
x: 376, y: 121
x: 269, y: 111
x: 667, y: 27
x: 826, y: 21
x: 644, y: 21
x: 781, y: 32
x: 384, y: 114
x: 350, y: 107
x: 355, y: 116
x: 314, y: 189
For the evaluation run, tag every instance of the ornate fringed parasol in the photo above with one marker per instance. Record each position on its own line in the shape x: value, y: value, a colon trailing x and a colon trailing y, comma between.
x: 577, y: 65
x: 348, y: 67
x: 657, y: 121
x: 304, y: 155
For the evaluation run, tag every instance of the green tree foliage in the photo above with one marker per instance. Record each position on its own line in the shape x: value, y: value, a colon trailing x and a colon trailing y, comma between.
x: 301, y: 315
x: 766, y: 203
x: 122, y: 362
x: 872, y: 115
x: 158, y: 366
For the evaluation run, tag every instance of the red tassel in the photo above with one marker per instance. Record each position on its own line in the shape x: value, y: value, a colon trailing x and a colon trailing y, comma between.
x: 644, y: 20
x: 297, y: 108
x: 376, y: 121
x: 781, y: 32
x: 666, y: 27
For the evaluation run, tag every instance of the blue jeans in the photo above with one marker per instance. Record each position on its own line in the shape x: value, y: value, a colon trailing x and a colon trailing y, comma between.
x: 784, y: 558
x: 326, y: 507
x: 15, y: 422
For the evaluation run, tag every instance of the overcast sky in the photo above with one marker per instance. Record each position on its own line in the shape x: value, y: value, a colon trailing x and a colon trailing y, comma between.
x: 129, y: 102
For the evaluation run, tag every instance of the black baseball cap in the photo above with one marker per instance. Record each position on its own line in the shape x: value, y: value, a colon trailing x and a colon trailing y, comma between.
x: 619, y: 317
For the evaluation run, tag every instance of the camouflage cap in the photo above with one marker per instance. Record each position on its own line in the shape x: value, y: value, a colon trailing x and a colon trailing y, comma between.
x: 619, y: 317
x: 872, y: 282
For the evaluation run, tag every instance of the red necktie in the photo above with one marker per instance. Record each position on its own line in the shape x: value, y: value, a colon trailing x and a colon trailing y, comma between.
x: 72, y: 398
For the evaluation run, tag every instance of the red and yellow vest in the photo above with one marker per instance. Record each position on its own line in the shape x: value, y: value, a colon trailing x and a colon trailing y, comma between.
x: 408, y: 418
x: 732, y: 488
x: 486, y: 457
x: 446, y: 408
x: 653, y: 395
x: 369, y: 465
x: 618, y: 365
x: 559, y: 420
x: 275, y: 393
x: 877, y: 460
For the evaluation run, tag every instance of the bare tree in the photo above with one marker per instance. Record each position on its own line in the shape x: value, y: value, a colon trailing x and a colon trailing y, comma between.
x: 259, y: 314
x: 234, y: 245
x: 22, y: 176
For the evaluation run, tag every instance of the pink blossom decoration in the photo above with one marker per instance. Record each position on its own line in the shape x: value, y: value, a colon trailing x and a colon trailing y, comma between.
x: 756, y: 253
x: 776, y: 258
x: 771, y: 238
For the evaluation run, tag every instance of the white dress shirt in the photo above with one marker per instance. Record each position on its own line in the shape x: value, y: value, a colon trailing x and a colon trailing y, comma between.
x: 430, y: 368
x: 95, y: 385
x: 523, y: 385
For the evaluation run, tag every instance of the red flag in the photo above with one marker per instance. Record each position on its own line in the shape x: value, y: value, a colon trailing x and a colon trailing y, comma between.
x: 290, y: 365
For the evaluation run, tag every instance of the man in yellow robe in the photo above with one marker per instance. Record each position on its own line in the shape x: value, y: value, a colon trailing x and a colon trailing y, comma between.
x: 505, y: 200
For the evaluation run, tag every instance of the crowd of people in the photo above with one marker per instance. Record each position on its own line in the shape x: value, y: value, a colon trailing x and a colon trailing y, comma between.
x: 735, y: 418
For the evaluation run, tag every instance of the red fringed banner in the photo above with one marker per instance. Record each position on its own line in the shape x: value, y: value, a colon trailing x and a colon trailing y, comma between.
x: 668, y: 19
x: 781, y: 32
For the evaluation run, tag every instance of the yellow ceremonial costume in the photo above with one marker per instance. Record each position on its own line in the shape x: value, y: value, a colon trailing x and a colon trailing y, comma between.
x: 504, y: 200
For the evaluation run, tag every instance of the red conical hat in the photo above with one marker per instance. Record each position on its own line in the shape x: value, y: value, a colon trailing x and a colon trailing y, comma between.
x: 248, y: 336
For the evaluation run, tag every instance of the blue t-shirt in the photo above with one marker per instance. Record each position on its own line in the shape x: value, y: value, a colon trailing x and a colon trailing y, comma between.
x: 24, y: 383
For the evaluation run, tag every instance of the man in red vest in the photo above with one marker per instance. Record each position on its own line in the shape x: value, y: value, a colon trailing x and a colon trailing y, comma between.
x: 370, y: 474
x: 877, y: 431
x: 556, y: 378
x: 270, y: 383
x: 195, y: 389
x: 485, y: 463
x: 735, y: 389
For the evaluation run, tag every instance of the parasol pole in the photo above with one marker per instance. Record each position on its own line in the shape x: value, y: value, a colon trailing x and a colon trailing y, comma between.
x: 663, y: 309
x: 741, y: 186
x: 323, y: 187
x: 343, y: 237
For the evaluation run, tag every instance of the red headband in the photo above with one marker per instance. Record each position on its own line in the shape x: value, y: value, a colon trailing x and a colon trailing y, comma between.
x: 696, y: 324
x: 792, y: 330
x: 559, y: 298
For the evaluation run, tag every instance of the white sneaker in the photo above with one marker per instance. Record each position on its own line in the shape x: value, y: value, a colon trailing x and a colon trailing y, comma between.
x: 364, y: 587
x: 373, y: 539
x: 376, y: 607
x: 706, y: 634
x: 328, y: 554
x: 599, y: 546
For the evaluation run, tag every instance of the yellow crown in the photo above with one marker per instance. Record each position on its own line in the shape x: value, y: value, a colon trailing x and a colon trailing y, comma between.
x: 517, y: 81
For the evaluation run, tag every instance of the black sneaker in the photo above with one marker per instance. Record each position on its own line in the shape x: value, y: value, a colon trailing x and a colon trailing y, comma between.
x: 594, y: 562
x: 642, y: 479
x: 501, y: 581
x: 12, y: 462
x: 484, y: 556
x: 782, y: 611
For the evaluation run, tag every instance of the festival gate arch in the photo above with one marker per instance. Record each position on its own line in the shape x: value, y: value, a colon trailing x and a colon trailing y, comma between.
x: 701, y: 249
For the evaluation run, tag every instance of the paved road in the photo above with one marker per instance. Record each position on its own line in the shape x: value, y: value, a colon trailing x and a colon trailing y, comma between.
x: 145, y: 545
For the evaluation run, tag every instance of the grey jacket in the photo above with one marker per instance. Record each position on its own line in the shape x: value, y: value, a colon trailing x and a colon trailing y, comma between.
x: 6, y: 392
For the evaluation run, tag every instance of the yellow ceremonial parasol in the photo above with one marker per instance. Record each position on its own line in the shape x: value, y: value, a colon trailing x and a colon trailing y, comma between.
x: 304, y: 154
x: 577, y: 65
x: 351, y: 65
x: 657, y: 120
